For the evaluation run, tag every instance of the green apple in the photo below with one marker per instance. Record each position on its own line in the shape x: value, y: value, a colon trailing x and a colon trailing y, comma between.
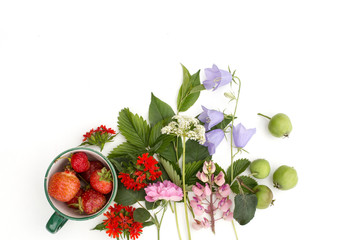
x: 264, y: 196
x: 280, y: 125
x: 285, y: 177
x: 260, y: 168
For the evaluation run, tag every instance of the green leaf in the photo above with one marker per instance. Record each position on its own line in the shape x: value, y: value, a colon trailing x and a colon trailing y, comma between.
x: 185, y: 82
x: 191, y: 170
x: 128, y: 197
x: 171, y: 171
x: 239, y: 166
x: 159, y: 110
x: 185, y: 97
x: 196, y: 152
x: 227, y: 120
x: 134, y: 128
x: 155, y: 133
x: 141, y: 215
x: 170, y: 153
x: 125, y: 149
x: 198, y: 88
x: 248, y: 181
x: 152, y: 205
x: 100, y: 227
x: 147, y: 224
x: 245, y: 206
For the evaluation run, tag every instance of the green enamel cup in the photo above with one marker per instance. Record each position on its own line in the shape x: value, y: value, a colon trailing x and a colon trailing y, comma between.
x: 63, y: 213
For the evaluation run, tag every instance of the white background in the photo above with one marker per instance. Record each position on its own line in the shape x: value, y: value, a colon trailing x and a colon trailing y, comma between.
x: 69, y: 66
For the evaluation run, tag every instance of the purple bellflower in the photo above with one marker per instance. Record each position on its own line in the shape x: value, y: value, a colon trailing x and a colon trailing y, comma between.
x: 216, y: 77
x: 241, y: 135
x: 210, y: 117
x: 213, y: 139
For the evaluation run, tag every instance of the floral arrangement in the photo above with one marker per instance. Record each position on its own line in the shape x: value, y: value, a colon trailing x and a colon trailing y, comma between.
x: 168, y: 160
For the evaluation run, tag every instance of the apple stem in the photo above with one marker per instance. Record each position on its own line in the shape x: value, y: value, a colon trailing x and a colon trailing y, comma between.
x: 264, y: 116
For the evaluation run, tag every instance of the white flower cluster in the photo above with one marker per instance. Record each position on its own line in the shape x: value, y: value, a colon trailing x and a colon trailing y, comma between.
x: 186, y: 127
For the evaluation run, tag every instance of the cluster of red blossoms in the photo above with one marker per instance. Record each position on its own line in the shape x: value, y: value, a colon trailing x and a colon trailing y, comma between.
x: 101, y: 130
x: 120, y: 221
x: 139, y: 173
x: 99, y: 136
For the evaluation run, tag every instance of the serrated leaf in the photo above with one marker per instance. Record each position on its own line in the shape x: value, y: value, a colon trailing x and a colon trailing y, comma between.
x: 141, y: 215
x: 191, y: 170
x: 158, y: 111
x: 247, y: 181
x: 124, y: 149
x: 155, y: 133
x: 239, y: 166
x: 128, y: 197
x: 100, y: 227
x: 134, y: 128
x: 196, y: 152
x: 245, y: 207
x: 171, y: 171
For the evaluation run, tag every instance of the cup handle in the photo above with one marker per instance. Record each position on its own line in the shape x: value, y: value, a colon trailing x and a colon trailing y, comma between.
x: 55, y: 222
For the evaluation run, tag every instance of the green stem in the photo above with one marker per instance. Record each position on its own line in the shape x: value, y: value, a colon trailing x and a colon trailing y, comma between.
x: 235, y: 110
x: 184, y: 185
x: 235, y: 230
x: 158, y: 228
x: 264, y: 116
x: 176, y: 220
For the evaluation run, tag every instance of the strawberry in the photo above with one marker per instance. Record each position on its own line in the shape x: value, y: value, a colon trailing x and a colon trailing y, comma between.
x: 79, y: 162
x: 101, y: 180
x: 91, y: 201
x: 94, y: 165
x: 74, y: 202
x: 63, y: 186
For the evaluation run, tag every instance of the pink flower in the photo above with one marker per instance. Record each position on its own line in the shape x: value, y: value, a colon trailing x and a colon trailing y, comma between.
x: 198, y: 189
x: 207, y: 190
x: 163, y: 190
x: 202, y: 177
x: 200, y: 224
x: 198, y: 209
x: 224, y: 204
x: 224, y: 190
x: 209, y: 167
x: 195, y: 202
x: 220, y: 179
x: 228, y: 215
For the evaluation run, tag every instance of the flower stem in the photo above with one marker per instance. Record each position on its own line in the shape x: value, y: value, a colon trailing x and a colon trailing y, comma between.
x: 176, y: 220
x: 212, y: 212
x: 158, y: 228
x: 184, y: 185
x: 235, y: 110
x: 235, y: 230
x: 264, y: 116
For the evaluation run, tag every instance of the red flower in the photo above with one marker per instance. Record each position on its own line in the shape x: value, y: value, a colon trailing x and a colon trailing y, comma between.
x: 135, y: 230
x: 142, y: 171
x: 99, y: 136
x: 120, y: 222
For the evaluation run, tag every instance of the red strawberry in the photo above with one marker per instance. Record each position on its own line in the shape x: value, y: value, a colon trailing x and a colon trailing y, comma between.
x: 63, y: 186
x: 91, y: 201
x: 101, y: 180
x: 94, y: 165
x: 79, y: 162
x: 74, y: 202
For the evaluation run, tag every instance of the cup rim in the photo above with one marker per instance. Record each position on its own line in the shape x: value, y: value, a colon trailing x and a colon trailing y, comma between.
x: 113, y: 193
